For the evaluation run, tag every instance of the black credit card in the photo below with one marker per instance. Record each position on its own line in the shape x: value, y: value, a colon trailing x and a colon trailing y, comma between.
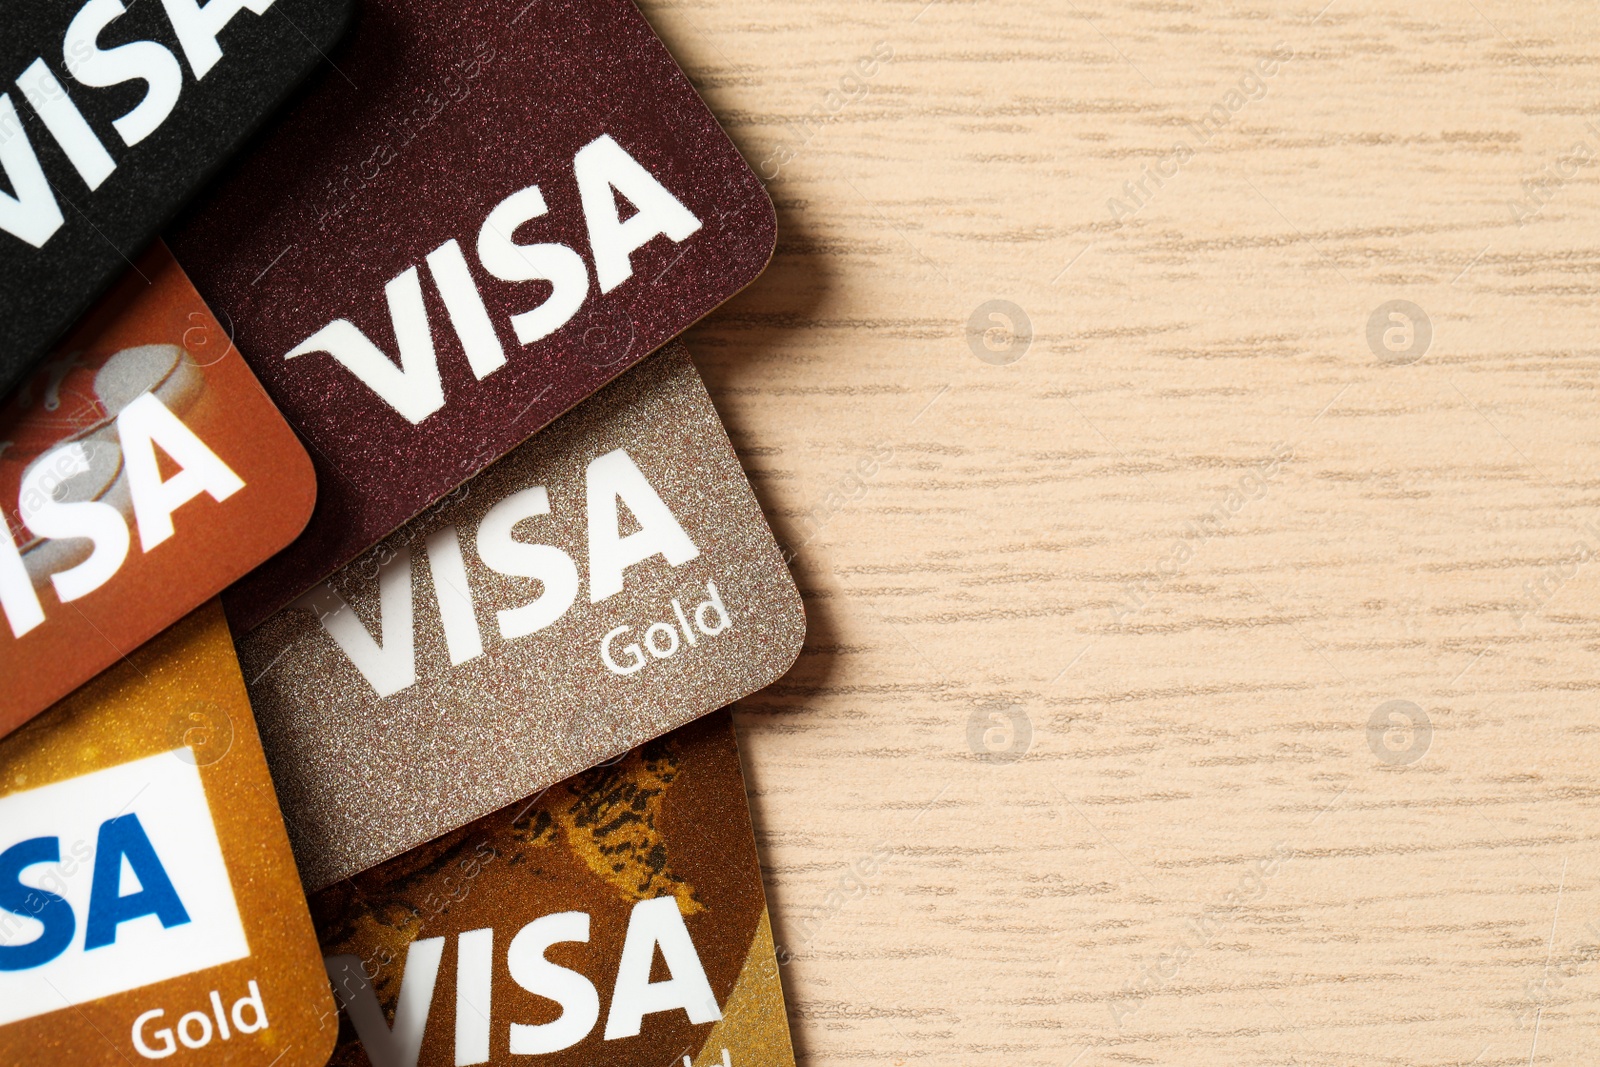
x: 111, y: 115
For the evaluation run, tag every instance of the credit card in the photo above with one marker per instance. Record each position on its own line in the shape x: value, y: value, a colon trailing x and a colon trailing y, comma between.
x: 142, y: 470
x: 487, y: 212
x: 148, y: 901
x: 112, y: 115
x: 618, y: 918
x: 609, y: 580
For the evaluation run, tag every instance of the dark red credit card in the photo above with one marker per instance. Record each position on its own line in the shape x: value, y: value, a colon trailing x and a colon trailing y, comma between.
x: 484, y: 213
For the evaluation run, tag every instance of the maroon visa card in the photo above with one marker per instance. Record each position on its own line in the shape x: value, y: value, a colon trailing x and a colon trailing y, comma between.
x: 479, y: 216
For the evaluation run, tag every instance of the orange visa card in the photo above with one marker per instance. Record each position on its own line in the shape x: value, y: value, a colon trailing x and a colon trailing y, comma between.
x: 149, y: 906
x: 142, y: 470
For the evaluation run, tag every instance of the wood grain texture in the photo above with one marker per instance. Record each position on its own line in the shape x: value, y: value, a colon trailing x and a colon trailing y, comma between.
x: 1190, y: 542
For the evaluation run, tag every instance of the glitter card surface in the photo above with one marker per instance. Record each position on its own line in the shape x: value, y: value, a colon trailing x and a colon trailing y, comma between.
x: 609, y: 580
x: 148, y: 901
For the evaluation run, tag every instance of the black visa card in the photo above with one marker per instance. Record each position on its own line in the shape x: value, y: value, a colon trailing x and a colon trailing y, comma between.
x: 112, y: 112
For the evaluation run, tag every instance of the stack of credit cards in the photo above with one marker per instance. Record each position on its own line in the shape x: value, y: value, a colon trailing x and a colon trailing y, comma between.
x: 375, y: 568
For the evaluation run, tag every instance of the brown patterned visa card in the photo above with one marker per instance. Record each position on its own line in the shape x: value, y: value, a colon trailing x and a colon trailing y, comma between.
x: 617, y: 918
x: 609, y: 580
x: 149, y: 907
x: 142, y: 470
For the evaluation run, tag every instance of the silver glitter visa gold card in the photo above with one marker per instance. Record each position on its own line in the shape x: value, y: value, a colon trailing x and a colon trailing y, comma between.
x: 609, y: 580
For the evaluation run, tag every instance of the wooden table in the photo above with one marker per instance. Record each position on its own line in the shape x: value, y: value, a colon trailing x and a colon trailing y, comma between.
x: 1204, y: 670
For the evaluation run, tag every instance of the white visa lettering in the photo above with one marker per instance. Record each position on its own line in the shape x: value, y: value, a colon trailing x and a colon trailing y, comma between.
x: 66, y: 124
x: 413, y: 388
x: 389, y: 663
x: 654, y: 926
x: 552, y: 568
x: 602, y: 170
x: 98, y: 522
x: 197, y: 27
x: 145, y: 61
x: 30, y: 211
x: 143, y: 426
x: 609, y: 479
x: 570, y: 990
x: 400, y: 1045
x: 554, y: 263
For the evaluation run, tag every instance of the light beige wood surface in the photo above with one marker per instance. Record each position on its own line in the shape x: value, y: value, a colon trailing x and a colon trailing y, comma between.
x: 1205, y: 855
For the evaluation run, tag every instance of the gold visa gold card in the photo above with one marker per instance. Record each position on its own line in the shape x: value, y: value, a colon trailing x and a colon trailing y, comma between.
x: 617, y: 918
x: 149, y: 907
x: 609, y: 580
